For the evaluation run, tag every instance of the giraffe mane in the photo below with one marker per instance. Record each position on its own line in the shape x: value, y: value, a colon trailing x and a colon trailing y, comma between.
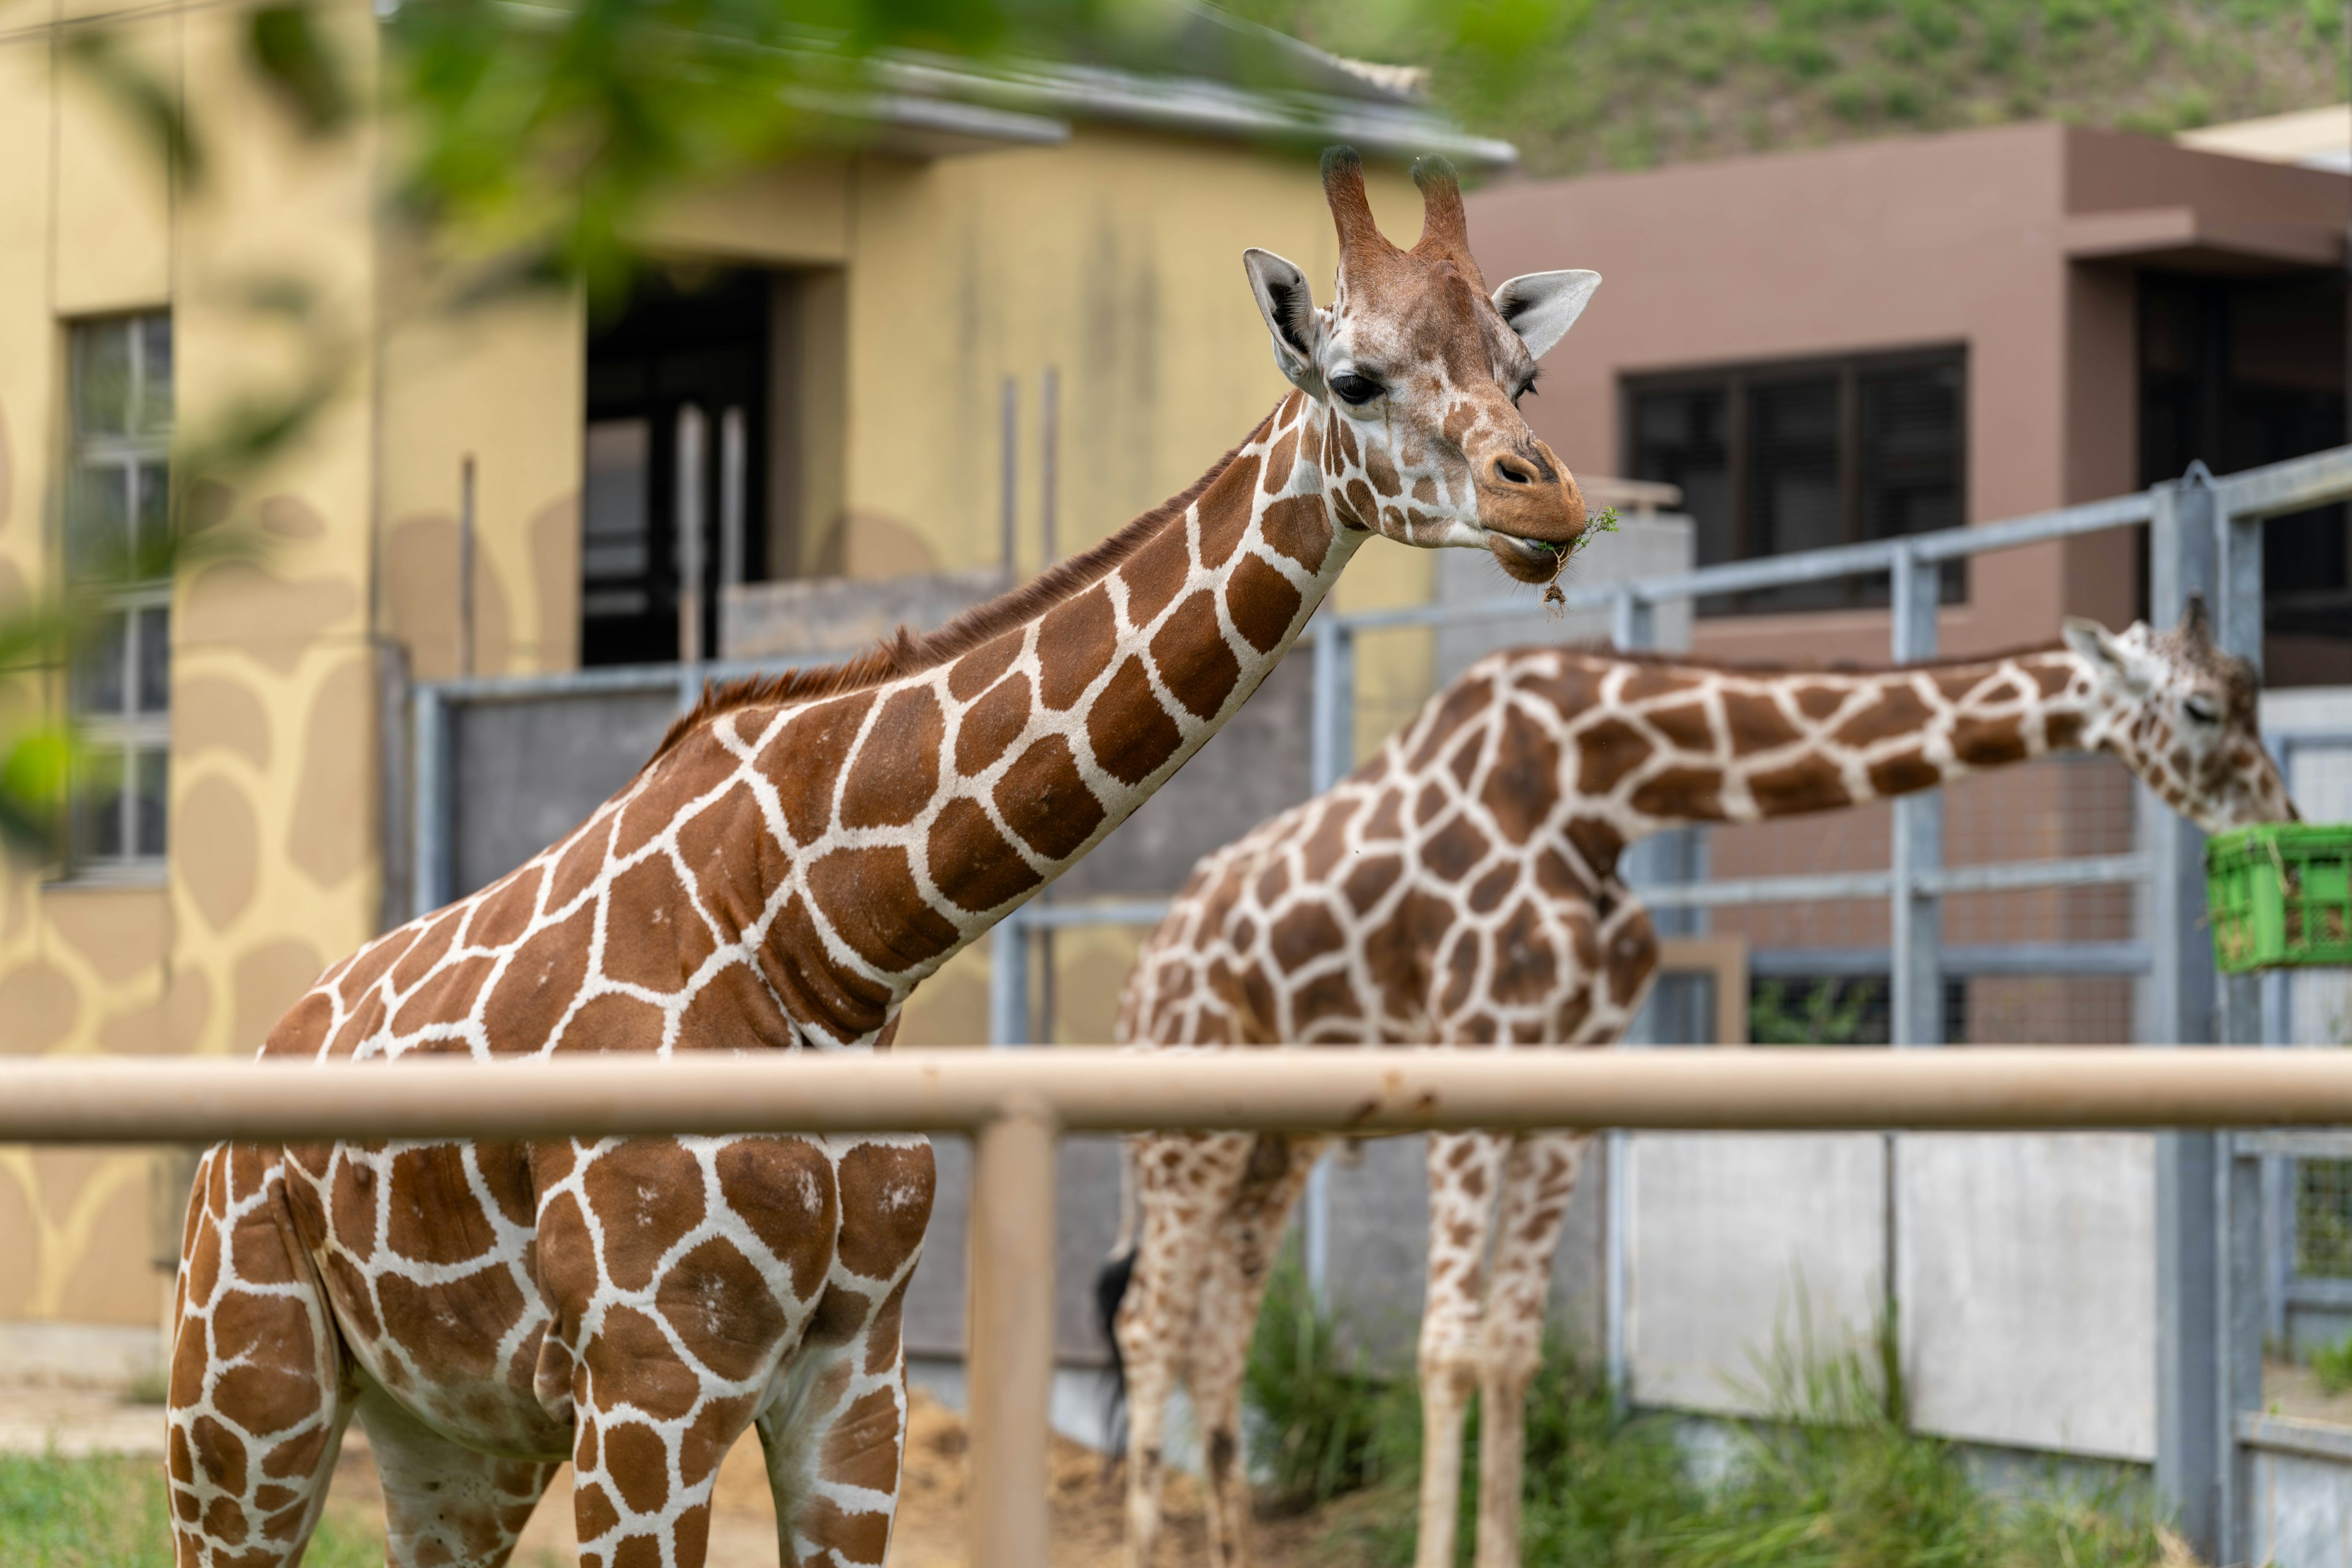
x: 905, y: 652
x: 1668, y: 660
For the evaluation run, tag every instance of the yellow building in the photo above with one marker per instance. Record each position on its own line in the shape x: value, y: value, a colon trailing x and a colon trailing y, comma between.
x: 869, y: 309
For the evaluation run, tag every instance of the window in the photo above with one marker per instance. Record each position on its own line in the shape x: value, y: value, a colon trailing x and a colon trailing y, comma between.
x: 1776, y: 459
x: 117, y: 509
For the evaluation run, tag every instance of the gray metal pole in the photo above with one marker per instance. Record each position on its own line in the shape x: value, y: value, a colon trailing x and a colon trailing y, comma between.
x: 1008, y: 982
x: 2191, y: 1397
x: 1333, y: 752
x: 429, y: 877
x: 693, y: 456
x: 1917, y: 915
x: 2240, y: 1317
x: 1632, y: 626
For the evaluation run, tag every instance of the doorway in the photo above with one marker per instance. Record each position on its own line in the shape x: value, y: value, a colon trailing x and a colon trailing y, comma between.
x: 674, y: 497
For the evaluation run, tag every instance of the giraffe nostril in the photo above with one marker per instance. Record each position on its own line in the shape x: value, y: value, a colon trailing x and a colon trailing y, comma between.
x: 1510, y: 471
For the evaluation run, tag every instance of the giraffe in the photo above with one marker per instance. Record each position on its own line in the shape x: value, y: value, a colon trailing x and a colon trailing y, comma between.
x: 796, y: 856
x: 1462, y: 888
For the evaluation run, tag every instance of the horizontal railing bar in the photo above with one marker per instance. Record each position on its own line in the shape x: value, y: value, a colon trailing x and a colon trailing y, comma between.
x: 2335, y: 1143
x: 2291, y: 486
x: 2295, y: 1435
x: 2054, y: 958
x: 2003, y: 875
x: 2318, y: 1290
x: 1117, y: 912
x: 82, y: 1100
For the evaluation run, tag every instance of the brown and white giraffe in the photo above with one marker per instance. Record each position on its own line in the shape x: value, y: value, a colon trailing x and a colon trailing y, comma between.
x: 799, y: 855
x: 1462, y: 888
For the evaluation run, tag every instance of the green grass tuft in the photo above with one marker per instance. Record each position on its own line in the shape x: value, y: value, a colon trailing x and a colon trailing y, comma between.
x: 2332, y: 1365
x: 1834, y: 1479
x: 113, y: 1513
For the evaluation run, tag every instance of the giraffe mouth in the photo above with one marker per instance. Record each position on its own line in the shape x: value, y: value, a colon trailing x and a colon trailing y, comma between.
x: 1526, y: 560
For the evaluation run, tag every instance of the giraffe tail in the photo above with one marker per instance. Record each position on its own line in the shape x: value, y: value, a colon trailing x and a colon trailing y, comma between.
x: 1110, y: 1289
x: 1111, y: 1282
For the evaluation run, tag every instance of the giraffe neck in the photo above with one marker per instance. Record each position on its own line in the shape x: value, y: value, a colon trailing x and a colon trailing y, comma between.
x: 1728, y: 745
x: 917, y: 811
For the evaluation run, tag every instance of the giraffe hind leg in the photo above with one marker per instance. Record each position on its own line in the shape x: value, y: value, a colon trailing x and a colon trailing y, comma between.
x: 444, y: 1504
x: 1241, y: 1256
x: 258, y: 1398
x: 1538, y: 1180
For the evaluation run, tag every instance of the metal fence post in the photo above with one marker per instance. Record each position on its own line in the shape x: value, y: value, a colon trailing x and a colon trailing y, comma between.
x: 2238, y: 1199
x: 1632, y: 626
x: 2237, y: 603
x: 1009, y: 1353
x: 429, y: 874
x: 1008, y: 982
x: 1332, y: 751
x: 2191, y: 1401
x: 1917, y: 933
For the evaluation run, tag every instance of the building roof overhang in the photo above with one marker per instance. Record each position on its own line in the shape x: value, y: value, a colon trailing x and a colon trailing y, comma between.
x: 2185, y: 238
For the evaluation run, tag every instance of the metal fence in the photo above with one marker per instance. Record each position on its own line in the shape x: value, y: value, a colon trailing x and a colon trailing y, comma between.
x: 1015, y: 1105
x: 2204, y: 537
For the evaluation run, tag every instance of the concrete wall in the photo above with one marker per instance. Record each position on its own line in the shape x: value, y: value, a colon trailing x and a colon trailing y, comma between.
x: 2025, y: 1270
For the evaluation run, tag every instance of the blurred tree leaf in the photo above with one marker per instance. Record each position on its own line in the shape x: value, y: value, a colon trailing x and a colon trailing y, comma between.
x: 293, y: 57
x: 34, y: 766
x: 151, y: 106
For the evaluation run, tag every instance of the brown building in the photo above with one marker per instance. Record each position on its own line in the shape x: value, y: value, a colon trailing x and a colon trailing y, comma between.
x: 1865, y: 340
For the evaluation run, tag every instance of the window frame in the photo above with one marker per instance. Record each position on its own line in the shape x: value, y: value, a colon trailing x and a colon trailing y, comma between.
x: 1735, y: 380
x: 129, y: 731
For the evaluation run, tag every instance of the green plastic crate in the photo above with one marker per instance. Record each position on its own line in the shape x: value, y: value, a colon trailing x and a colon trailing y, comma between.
x: 2280, y: 894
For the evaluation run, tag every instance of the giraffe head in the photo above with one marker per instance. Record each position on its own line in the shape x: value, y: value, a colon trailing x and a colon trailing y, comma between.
x: 1417, y: 372
x: 2182, y: 714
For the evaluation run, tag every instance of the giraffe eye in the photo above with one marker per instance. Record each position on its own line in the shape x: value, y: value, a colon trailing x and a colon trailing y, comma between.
x: 2201, y: 708
x: 1355, y: 390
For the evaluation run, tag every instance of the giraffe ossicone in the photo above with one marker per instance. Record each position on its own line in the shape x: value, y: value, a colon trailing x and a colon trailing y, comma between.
x: 1462, y: 888
x: 796, y: 858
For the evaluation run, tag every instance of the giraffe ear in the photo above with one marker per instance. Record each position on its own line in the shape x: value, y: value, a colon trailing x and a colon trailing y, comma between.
x: 1541, y: 306
x: 2104, y: 653
x: 1288, y: 307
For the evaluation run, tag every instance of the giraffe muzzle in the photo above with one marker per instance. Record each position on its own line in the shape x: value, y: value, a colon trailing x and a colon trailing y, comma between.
x: 1531, y: 509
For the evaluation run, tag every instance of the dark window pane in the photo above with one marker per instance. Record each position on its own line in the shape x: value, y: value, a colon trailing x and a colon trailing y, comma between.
x: 1792, y: 464
x: 101, y: 666
x: 97, y: 805
x: 151, y: 799
x: 154, y: 659
x: 97, y: 519
x: 155, y: 343
x: 153, y: 512
x: 1681, y: 437
x: 1909, y: 471
x: 101, y: 378
x: 615, y: 545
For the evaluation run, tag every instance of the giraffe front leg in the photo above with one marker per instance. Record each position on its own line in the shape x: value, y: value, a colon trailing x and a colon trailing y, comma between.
x: 1182, y: 1181
x: 258, y: 1402
x: 1538, y: 1180
x: 1241, y: 1256
x: 1464, y: 1171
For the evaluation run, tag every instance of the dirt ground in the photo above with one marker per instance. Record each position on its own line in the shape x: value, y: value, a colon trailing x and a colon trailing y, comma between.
x: 1087, y: 1505
x: 1087, y: 1509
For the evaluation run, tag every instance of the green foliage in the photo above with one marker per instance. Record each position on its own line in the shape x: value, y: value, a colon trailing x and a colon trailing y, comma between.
x: 1626, y: 83
x: 2332, y: 1366
x: 1819, y: 1013
x: 1833, y: 1479
x: 1325, y: 1424
x: 111, y: 1513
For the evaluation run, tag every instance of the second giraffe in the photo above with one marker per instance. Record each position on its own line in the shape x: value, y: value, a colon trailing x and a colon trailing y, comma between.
x: 1464, y: 888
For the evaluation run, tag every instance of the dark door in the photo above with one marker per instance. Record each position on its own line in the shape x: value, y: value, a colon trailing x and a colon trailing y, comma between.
x: 674, y: 487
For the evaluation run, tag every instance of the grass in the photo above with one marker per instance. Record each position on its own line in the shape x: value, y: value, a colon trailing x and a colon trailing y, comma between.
x: 113, y: 1513
x: 1581, y: 85
x: 2331, y: 1365
x: 1834, y: 1479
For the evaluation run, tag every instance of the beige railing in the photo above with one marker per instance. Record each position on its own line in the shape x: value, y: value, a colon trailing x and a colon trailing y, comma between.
x: 1014, y: 1105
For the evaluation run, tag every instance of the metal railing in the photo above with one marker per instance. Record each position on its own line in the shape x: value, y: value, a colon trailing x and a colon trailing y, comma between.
x: 1015, y: 1106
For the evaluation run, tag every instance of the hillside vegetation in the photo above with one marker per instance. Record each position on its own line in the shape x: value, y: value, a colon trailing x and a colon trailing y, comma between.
x: 1581, y: 85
